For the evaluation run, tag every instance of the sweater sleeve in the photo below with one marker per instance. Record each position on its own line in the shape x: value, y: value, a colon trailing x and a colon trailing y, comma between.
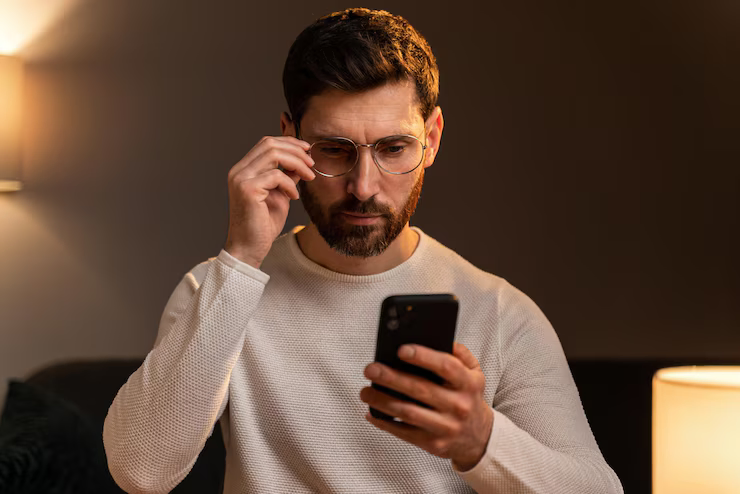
x: 162, y: 416
x: 541, y: 442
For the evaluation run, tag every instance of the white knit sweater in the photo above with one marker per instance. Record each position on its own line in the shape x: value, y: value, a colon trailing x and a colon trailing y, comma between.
x: 278, y: 354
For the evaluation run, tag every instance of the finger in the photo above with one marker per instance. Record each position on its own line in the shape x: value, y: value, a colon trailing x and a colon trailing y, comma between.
x: 283, y: 140
x: 268, y: 142
x: 273, y: 159
x: 294, y: 140
x: 271, y: 180
x: 407, y: 432
x: 410, y: 413
x: 410, y: 434
x: 421, y: 389
x: 288, y: 144
x: 445, y: 365
x: 293, y: 175
x: 463, y: 353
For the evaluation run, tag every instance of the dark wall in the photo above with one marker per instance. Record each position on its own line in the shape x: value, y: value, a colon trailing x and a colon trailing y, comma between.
x: 590, y: 156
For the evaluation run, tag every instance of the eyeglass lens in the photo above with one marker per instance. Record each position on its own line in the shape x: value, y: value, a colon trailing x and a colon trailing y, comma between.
x: 395, y: 154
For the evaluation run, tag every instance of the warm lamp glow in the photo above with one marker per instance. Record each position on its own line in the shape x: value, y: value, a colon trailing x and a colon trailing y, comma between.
x: 696, y: 430
x: 22, y: 21
x: 11, y: 105
x: 10, y: 185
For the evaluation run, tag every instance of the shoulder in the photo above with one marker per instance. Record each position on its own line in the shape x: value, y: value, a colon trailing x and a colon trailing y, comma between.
x: 490, y: 289
x: 448, y: 264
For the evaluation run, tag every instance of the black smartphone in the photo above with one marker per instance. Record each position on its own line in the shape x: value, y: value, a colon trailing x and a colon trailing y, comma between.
x: 429, y: 320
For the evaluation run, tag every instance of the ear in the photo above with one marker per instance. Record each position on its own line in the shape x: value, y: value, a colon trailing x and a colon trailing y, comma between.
x: 434, y: 125
x: 286, y: 125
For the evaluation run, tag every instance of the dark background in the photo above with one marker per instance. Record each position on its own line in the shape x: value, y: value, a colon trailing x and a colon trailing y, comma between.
x: 590, y: 157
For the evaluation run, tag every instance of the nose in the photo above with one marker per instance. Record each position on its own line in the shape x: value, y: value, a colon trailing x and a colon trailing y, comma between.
x: 363, y: 180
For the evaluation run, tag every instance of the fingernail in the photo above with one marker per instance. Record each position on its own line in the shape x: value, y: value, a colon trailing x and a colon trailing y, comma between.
x: 406, y: 351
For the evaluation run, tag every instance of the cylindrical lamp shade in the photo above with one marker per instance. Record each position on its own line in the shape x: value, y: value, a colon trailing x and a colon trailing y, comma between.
x: 11, y: 105
x: 696, y: 430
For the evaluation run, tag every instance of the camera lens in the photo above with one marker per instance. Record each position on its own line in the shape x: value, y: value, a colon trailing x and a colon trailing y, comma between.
x: 393, y: 324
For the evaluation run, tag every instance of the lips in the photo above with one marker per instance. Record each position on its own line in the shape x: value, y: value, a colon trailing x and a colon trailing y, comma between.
x: 363, y: 215
x: 361, y: 220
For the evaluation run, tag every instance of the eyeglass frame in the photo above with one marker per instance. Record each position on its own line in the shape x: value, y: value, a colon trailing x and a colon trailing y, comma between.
x: 373, y: 153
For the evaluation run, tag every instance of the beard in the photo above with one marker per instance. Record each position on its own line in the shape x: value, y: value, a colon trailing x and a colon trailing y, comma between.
x: 359, y: 240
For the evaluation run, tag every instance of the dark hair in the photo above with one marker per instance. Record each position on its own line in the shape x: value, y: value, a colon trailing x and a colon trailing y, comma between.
x: 356, y: 50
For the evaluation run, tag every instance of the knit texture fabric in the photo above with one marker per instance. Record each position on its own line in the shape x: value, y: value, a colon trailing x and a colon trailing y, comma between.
x: 277, y: 355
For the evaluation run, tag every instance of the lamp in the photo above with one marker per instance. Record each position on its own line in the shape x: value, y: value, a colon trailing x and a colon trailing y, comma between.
x: 696, y: 430
x: 11, y: 104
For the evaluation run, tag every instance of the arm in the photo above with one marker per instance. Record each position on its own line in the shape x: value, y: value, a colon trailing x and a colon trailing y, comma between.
x: 540, y: 441
x: 160, y: 419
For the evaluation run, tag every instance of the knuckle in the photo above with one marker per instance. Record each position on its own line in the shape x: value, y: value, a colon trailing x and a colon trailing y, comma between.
x: 244, y: 188
x: 448, y: 366
x: 462, y: 409
x: 233, y: 172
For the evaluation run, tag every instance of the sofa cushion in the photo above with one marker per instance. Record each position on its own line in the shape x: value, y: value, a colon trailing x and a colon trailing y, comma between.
x: 47, y: 445
x: 92, y: 385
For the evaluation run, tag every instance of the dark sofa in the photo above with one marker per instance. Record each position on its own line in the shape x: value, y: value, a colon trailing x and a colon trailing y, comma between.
x: 51, y: 426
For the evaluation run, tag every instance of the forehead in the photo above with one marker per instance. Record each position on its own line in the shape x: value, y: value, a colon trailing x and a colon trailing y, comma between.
x: 389, y: 109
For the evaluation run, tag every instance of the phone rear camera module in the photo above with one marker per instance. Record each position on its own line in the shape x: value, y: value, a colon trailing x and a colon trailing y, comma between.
x: 393, y: 324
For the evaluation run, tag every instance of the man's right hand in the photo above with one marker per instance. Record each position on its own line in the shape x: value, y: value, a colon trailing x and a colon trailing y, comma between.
x: 260, y: 194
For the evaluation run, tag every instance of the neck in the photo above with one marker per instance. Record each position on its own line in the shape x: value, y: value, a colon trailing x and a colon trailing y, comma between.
x: 316, y: 249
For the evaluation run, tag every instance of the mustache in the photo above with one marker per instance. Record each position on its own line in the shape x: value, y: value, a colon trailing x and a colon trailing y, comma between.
x: 353, y: 205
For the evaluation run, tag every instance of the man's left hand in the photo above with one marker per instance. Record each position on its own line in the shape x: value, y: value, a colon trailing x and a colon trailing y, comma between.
x: 459, y: 423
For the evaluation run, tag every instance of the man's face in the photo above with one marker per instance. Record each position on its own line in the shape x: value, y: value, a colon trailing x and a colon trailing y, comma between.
x: 365, y: 118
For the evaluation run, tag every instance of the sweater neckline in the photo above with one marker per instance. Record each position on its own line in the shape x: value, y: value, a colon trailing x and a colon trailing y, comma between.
x: 317, y: 269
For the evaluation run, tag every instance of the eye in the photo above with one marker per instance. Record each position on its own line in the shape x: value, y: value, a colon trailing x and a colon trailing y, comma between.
x: 395, y: 147
x: 331, y: 149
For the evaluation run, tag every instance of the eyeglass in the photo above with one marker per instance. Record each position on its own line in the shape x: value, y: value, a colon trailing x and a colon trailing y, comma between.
x: 397, y: 154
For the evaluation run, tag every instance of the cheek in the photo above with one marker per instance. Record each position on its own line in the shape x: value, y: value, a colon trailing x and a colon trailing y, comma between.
x: 323, y: 191
x: 402, y: 191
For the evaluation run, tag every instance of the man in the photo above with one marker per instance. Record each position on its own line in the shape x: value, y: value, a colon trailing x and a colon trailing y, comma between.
x: 275, y: 337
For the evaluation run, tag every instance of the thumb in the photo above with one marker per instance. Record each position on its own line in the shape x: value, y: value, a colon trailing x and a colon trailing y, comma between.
x: 461, y: 351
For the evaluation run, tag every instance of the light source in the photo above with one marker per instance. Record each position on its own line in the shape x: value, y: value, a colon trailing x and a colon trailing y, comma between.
x: 696, y: 430
x: 11, y: 105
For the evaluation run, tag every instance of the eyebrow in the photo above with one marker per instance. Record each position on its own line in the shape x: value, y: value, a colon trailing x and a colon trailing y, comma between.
x: 323, y: 134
